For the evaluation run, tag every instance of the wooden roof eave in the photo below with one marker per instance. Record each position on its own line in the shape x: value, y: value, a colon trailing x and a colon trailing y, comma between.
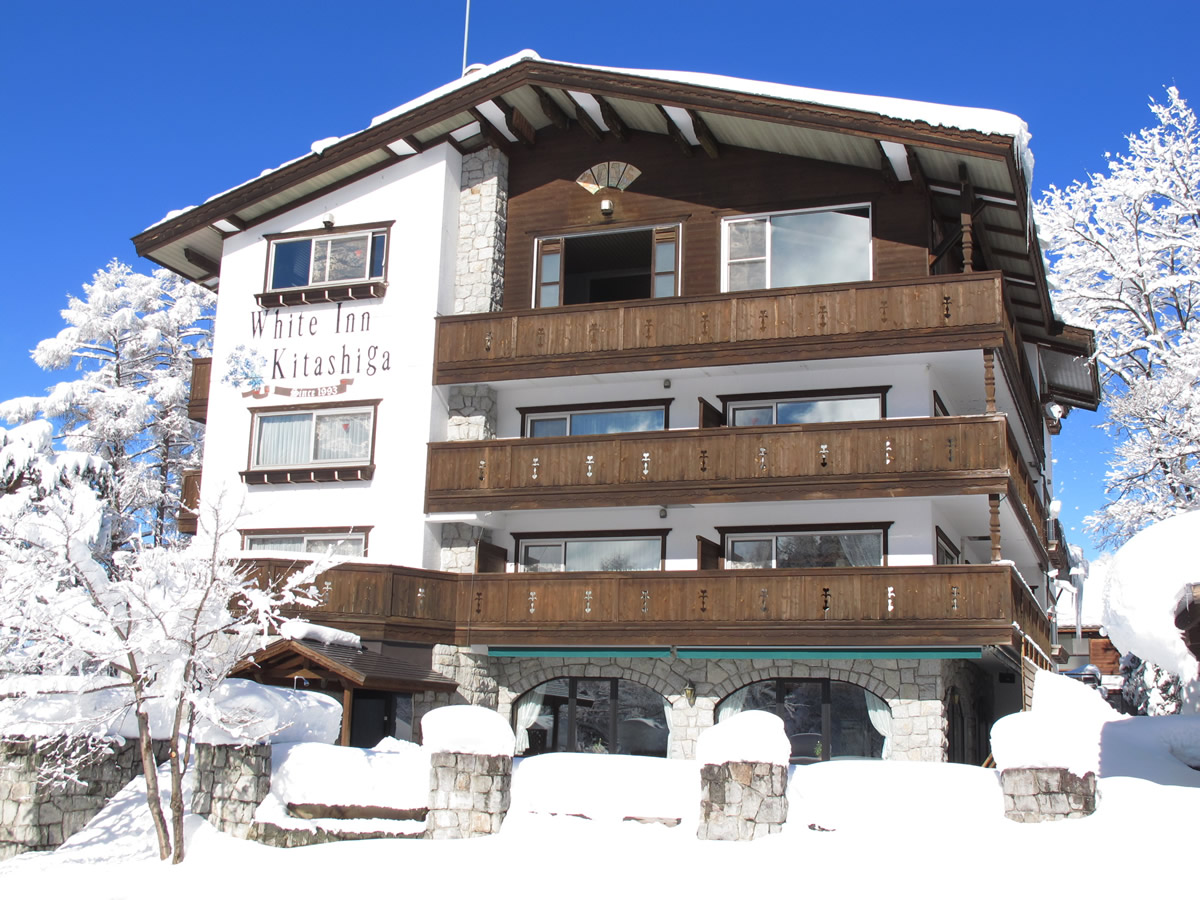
x: 543, y: 74
x: 284, y: 647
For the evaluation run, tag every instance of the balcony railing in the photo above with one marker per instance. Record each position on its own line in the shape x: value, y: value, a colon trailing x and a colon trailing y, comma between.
x: 888, y: 457
x: 868, y: 318
x: 198, y: 389
x: 917, y: 606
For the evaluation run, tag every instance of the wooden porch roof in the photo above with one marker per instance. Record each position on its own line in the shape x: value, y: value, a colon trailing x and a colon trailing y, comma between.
x: 285, y: 660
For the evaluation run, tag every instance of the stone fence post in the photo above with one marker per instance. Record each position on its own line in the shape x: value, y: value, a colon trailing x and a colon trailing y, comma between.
x: 1047, y: 794
x: 231, y: 781
x: 743, y: 778
x: 470, y: 777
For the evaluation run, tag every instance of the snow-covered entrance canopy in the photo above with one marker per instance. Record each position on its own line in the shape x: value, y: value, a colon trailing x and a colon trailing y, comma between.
x: 976, y: 157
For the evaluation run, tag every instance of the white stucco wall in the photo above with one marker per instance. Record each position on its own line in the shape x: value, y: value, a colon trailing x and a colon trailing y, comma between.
x: 391, y: 361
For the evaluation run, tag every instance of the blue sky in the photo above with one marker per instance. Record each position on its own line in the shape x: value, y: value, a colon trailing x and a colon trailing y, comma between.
x: 116, y: 113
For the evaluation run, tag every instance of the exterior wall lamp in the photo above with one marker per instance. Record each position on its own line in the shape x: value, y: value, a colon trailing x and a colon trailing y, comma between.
x: 689, y: 693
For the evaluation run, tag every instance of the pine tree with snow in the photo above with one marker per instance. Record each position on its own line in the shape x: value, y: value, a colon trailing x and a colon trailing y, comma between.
x: 153, y: 633
x: 1125, y: 262
x: 131, y: 337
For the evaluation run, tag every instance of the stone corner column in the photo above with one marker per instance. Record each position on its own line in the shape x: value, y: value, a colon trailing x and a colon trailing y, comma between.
x: 742, y: 801
x: 469, y: 795
x: 231, y: 781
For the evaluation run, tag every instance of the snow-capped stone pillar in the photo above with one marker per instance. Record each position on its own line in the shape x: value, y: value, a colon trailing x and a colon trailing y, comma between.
x: 470, y: 777
x: 482, y: 218
x: 743, y: 778
x: 231, y: 781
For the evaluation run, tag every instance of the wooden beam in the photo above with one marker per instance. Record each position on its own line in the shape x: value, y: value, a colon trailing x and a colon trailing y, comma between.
x: 676, y: 135
x: 890, y: 176
x: 347, y: 714
x: 989, y: 380
x: 618, y: 128
x: 552, y: 110
x: 594, y: 131
x: 516, y: 122
x: 994, y: 526
x: 914, y: 167
x: 710, y: 144
x: 200, y: 261
x: 490, y: 132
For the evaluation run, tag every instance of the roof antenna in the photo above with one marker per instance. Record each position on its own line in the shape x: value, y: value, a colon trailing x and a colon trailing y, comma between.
x: 466, y: 32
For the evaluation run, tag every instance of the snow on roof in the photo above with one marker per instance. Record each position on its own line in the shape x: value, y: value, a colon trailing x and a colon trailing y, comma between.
x: 963, y: 118
x: 300, y: 630
x: 1142, y: 589
x: 467, y: 729
x: 750, y: 736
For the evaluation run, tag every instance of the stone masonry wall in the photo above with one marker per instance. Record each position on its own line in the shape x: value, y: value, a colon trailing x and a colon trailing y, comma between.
x: 230, y: 783
x: 34, y: 816
x: 482, y: 219
x: 460, y: 546
x: 1047, y: 795
x: 741, y: 801
x: 469, y: 795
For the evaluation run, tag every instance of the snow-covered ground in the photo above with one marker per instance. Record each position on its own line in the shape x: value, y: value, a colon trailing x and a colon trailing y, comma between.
x: 860, y: 828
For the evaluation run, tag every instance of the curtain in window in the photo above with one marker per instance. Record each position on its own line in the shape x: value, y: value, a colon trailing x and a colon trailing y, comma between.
x: 634, y: 555
x: 861, y: 549
x: 880, y: 715
x: 290, y: 544
x: 733, y: 704
x: 528, y: 710
x: 343, y: 436
x: 284, y: 440
x: 340, y: 546
x: 670, y: 732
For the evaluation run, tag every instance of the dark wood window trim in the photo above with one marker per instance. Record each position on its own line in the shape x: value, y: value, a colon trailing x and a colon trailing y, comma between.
x: 724, y: 531
x: 353, y: 530
x: 663, y: 403
x: 880, y: 390
x: 302, y: 296
x: 660, y: 533
x: 310, y: 473
x: 939, y: 406
x: 943, y: 540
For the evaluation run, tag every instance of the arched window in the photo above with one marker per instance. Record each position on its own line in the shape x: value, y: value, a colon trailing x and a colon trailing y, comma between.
x: 591, y: 715
x: 823, y: 718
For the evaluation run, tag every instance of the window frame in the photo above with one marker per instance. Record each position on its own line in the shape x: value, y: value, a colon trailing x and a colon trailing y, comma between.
x: 943, y: 542
x: 549, y: 244
x: 730, y: 402
x: 530, y: 414
x: 327, y: 291
x: 550, y: 537
x: 322, y: 531
x: 767, y: 216
x: 745, y: 532
x: 313, y: 470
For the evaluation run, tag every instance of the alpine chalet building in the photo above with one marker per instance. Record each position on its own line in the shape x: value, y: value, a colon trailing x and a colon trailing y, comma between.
x: 635, y: 399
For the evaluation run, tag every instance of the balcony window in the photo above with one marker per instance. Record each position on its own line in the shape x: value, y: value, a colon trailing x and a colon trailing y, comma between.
x: 789, y: 249
x: 823, y: 719
x: 800, y: 409
x: 591, y: 552
x: 343, y: 544
x: 627, y: 264
x: 559, y: 421
x: 804, y: 549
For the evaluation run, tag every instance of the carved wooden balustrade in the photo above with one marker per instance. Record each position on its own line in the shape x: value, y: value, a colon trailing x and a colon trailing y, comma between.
x: 887, y: 457
x: 911, y: 606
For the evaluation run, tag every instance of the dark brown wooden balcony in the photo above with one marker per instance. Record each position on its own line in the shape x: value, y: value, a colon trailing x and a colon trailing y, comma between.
x: 188, y: 517
x: 198, y: 388
x: 864, y: 319
x: 888, y: 607
x: 884, y: 458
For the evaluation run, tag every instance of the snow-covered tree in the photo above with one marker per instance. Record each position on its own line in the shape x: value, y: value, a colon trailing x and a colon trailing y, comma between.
x: 156, y: 631
x: 132, y: 338
x: 1125, y: 261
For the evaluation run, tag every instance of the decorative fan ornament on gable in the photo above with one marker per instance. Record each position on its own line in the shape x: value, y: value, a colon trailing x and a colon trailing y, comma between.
x: 613, y: 174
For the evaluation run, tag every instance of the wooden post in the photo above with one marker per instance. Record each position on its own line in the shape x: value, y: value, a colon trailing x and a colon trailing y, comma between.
x: 994, y: 511
x: 967, y: 203
x: 968, y: 249
x: 989, y: 379
x: 347, y: 715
